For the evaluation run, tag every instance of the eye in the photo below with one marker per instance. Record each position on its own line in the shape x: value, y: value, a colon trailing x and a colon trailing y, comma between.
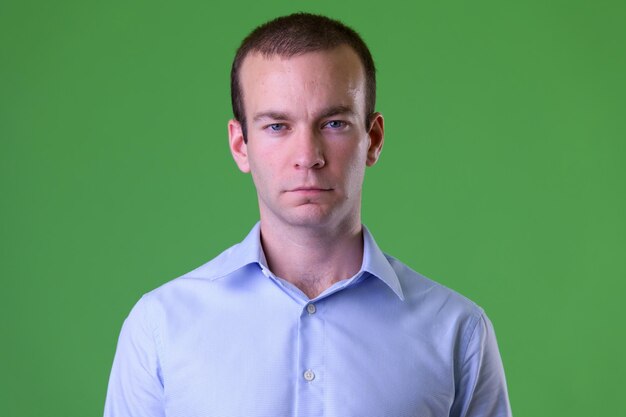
x: 276, y: 127
x: 335, y: 124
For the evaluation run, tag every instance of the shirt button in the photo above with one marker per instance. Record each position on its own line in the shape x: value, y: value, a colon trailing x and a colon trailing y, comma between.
x: 311, y: 308
x: 309, y: 375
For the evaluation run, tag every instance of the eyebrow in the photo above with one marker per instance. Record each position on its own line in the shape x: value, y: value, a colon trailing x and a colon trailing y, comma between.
x: 335, y: 110
x: 277, y: 115
x: 274, y: 115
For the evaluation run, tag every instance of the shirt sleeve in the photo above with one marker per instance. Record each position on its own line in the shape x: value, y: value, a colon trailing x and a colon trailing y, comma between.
x: 481, y: 386
x: 135, y: 385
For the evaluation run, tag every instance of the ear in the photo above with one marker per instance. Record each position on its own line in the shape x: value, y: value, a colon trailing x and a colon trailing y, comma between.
x: 238, y: 147
x: 376, y: 135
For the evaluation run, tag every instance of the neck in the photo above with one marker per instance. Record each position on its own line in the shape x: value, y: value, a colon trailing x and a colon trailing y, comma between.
x: 313, y: 258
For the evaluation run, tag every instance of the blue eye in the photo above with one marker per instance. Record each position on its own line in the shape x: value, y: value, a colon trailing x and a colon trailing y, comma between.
x: 336, y: 124
x: 276, y: 127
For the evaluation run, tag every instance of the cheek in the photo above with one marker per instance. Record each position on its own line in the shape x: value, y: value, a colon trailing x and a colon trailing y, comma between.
x: 353, y: 166
x: 263, y: 169
x: 356, y: 176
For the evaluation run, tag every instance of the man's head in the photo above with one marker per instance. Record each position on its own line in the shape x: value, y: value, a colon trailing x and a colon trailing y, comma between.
x: 310, y: 132
x: 294, y: 35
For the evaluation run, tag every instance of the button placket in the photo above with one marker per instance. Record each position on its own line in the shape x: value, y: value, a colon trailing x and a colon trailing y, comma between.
x: 311, y: 335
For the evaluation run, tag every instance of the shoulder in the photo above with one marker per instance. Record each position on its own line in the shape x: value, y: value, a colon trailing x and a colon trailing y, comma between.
x: 204, y: 279
x: 438, y: 316
x: 428, y: 294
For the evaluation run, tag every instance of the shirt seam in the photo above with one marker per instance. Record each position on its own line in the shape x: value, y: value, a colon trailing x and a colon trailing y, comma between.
x: 467, y: 340
x: 477, y: 317
x: 156, y: 337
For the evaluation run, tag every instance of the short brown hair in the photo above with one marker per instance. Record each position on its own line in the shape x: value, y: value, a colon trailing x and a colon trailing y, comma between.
x: 297, y: 34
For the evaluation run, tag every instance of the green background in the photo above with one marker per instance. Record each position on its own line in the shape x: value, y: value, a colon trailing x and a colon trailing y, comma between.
x: 503, y: 177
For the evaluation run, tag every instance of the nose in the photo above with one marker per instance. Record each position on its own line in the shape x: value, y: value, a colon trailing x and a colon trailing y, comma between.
x: 309, y: 152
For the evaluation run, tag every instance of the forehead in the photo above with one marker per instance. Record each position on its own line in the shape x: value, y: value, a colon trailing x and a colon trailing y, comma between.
x: 303, y: 82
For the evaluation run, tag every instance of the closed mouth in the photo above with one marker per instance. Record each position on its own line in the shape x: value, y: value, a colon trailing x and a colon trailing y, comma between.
x: 309, y: 190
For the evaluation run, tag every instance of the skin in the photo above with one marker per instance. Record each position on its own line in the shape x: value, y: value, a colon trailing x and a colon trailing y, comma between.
x: 307, y: 150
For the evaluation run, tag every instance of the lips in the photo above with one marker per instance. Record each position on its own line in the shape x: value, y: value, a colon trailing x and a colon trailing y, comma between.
x: 304, y: 189
x: 308, y: 190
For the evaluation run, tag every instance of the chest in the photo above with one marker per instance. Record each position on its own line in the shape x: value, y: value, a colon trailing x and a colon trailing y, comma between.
x: 326, y: 359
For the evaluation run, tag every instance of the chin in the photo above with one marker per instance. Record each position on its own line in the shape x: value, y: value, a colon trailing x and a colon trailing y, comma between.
x: 310, y: 221
x: 308, y: 215
x: 315, y: 216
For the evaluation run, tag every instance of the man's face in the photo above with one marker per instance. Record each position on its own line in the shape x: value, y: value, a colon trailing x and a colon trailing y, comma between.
x: 307, y: 142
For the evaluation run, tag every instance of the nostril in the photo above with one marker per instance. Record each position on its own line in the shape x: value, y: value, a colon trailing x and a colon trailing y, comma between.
x: 313, y: 162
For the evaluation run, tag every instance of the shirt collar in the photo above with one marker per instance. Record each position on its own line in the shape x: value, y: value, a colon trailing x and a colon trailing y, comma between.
x: 376, y: 263
x: 249, y: 251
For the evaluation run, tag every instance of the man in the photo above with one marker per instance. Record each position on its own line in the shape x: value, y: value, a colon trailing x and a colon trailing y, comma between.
x: 306, y: 316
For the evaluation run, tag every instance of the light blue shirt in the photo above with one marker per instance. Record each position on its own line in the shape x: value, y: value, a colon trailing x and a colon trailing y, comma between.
x: 230, y: 339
